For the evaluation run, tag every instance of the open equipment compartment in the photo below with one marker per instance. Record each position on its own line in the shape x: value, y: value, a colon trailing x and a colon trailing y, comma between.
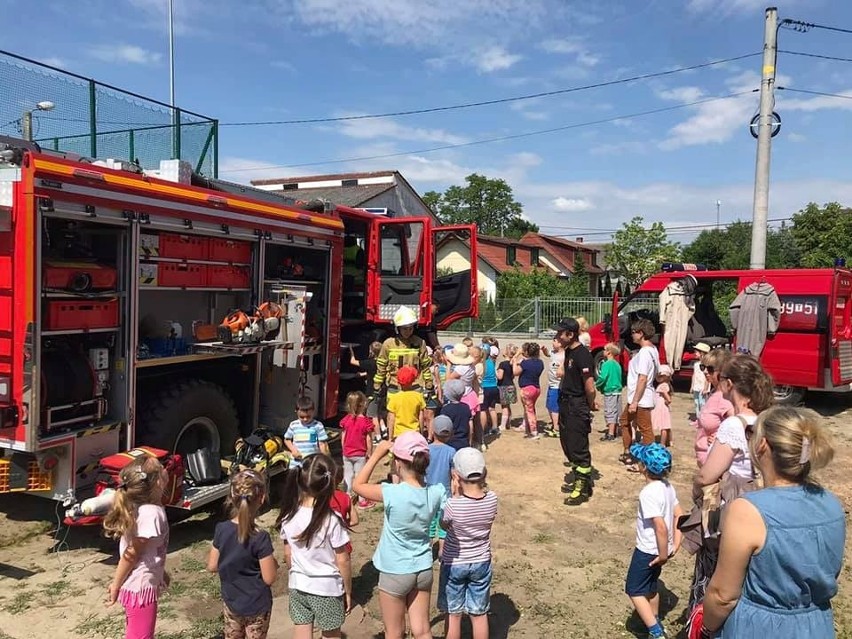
x: 83, y: 344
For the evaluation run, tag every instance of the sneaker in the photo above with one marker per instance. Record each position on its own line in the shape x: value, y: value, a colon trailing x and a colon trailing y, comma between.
x: 535, y: 437
x: 365, y: 504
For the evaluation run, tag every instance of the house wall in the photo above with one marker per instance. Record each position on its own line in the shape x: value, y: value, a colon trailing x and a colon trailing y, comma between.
x: 548, y: 262
x: 455, y: 254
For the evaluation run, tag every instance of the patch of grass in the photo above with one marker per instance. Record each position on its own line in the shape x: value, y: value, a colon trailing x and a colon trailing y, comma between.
x: 200, y: 629
x: 192, y: 564
x: 21, y: 602
x: 28, y: 532
x: 3, y: 635
x: 543, y: 538
x: 103, y: 627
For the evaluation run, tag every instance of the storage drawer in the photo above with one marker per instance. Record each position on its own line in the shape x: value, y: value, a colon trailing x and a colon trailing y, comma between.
x: 180, y: 274
x: 80, y: 314
x: 78, y: 276
x: 174, y: 246
x: 227, y: 276
x: 233, y: 251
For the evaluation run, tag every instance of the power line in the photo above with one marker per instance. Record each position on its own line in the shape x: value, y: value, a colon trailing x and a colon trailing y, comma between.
x: 803, y: 27
x: 815, y: 55
x: 822, y: 93
x: 468, y: 105
x: 674, y: 229
x: 497, y: 139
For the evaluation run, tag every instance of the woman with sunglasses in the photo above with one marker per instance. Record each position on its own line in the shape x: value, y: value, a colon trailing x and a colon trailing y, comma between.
x: 727, y: 472
x: 716, y: 408
x: 782, y: 550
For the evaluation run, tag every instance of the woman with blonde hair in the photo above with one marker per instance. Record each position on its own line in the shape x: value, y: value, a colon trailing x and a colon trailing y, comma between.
x: 584, y: 336
x: 782, y: 549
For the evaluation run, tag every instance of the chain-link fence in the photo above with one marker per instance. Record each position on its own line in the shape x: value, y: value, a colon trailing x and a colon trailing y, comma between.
x: 97, y: 120
x: 532, y: 317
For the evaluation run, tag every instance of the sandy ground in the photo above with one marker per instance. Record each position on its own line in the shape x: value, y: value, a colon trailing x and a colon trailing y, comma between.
x: 558, y: 571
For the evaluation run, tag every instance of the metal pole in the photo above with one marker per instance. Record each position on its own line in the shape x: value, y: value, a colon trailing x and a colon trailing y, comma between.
x: 760, y: 211
x: 718, y: 212
x: 171, y: 52
x: 93, y: 119
x: 27, y: 125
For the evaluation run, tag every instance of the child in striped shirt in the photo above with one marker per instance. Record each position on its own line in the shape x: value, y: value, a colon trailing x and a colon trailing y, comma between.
x: 465, y: 581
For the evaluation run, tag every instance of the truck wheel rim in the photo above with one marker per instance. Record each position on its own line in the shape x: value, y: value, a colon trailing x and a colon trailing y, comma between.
x: 199, y: 432
x: 783, y: 392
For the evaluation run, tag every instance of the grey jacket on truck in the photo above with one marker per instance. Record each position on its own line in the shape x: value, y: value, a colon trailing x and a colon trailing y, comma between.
x: 755, y: 315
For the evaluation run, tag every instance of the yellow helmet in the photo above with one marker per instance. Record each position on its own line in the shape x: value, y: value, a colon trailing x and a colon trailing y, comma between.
x: 404, y: 316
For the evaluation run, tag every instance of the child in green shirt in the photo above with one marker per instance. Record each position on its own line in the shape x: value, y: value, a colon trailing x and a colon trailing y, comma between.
x: 609, y: 383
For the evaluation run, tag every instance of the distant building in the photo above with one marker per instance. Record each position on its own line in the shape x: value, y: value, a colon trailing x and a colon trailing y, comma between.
x: 379, y: 189
x: 496, y: 255
x: 611, y: 280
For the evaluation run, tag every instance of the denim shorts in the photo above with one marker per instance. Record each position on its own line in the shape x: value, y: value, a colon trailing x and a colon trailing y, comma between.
x: 552, y: 402
x: 642, y: 579
x: 465, y: 588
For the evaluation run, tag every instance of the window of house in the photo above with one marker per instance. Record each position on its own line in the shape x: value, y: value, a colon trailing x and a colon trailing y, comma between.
x: 534, y: 256
x: 511, y: 257
x: 349, y: 182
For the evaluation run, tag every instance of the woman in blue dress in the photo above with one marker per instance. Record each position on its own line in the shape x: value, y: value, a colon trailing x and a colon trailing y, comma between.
x: 782, y: 546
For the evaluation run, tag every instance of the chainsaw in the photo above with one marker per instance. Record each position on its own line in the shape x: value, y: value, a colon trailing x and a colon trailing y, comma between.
x: 240, y: 328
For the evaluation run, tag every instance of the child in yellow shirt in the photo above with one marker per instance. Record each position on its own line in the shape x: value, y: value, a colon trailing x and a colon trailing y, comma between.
x: 405, y: 407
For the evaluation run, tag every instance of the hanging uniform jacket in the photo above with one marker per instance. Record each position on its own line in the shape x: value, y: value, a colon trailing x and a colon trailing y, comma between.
x: 395, y: 354
x: 755, y: 315
x: 677, y: 306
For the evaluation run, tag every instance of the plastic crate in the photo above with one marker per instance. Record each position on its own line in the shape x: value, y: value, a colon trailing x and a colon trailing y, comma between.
x: 80, y: 314
x: 174, y: 246
x: 78, y: 276
x: 37, y: 479
x: 227, y: 276
x: 182, y: 275
x: 231, y: 251
x: 166, y: 346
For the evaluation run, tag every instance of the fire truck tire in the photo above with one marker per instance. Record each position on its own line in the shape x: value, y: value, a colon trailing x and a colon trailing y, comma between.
x: 599, y: 360
x: 189, y: 415
x: 788, y: 395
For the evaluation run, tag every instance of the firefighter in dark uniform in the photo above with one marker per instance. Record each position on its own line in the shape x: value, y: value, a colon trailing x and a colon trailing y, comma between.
x: 577, y: 400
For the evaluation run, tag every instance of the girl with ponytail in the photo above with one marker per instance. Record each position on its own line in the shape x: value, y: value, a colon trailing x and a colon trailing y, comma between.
x: 315, y: 540
x: 404, y: 554
x: 242, y: 555
x: 138, y: 519
x: 782, y: 549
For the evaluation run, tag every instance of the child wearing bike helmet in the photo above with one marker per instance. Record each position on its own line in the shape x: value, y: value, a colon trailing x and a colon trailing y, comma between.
x: 657, y: 536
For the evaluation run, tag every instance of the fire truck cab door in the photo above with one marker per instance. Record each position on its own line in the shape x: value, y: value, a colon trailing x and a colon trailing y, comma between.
x: 840, y: 326
x: 397, y: 262
x: 454, y: 290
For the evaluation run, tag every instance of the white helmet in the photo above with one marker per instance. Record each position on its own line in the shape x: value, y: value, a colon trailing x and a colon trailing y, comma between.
x: 404, y: 316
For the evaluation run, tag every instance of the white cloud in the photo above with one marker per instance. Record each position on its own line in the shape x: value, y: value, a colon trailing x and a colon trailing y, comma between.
x: 573, y: 47
x: 495, y: 58
x: 526, y: 159
x: 726, y: 7
x: 528, y: 110
x: 571, y: 204
x: 819, y: 103
x: 125, y: 53
x: 54, y: 62
x: 682, y: 94
x: 388, y: 128
x: 283, y: 65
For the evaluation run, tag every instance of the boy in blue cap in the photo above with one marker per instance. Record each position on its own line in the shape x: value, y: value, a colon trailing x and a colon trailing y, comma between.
x: 657, y: 536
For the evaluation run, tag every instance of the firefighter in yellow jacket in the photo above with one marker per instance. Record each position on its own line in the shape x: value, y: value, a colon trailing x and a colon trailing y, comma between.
x: 403, y: 349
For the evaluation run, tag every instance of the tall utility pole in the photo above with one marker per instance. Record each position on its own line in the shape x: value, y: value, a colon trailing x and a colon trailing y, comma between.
x: 171, y: 52
x: 718, y: 212
x: 760, y: 211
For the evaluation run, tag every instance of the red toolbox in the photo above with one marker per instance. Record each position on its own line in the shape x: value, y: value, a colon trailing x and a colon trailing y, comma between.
x: 233, y: 251
x: 228, y: 276
x: 174, y: 246
x: 181, y: 274
x: 80, y: 314
x: 78, y: 276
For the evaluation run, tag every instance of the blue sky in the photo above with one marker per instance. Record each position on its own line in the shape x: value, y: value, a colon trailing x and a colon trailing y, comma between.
x: 282, y: 59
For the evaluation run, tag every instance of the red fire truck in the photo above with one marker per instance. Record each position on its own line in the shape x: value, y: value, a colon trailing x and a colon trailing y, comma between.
x: 811, y: 350
x: 113, y: 285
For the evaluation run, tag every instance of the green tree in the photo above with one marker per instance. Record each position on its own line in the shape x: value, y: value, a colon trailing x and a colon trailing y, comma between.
x: 730, y: 248
x: 636, y: 251
x: 822, y: 234
x: 579, y: 282
x: 520, y: 226
x: 515, y: 284
x: 486, y: 202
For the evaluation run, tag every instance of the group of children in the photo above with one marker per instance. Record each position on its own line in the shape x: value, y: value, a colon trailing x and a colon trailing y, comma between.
x: 439, y: 492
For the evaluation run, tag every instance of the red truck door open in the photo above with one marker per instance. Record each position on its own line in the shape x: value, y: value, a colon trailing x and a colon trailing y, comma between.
x: 398, y: 260
x: 456, y: 293
x: 840, y: 328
